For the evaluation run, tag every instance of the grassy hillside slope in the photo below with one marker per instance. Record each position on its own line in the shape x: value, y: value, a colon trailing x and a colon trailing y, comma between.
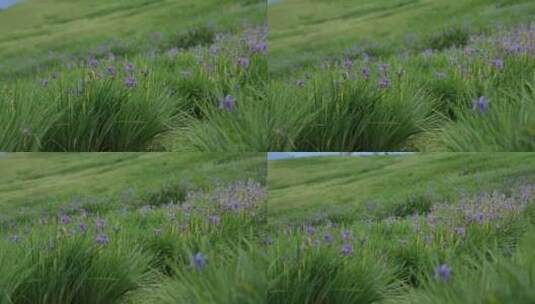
x: 303, y: 31
x: 48, y: 180
x: 39, y: 32
x: 332, y: 185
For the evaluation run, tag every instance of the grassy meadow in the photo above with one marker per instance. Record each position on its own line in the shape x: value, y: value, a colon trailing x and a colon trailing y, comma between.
x: 402, y: 75
x: 424, y: 228
x: 133, y: 76
x: 132, y: 228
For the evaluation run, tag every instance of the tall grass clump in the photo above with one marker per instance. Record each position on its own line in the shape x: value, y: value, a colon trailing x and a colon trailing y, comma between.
x: 137, y: 254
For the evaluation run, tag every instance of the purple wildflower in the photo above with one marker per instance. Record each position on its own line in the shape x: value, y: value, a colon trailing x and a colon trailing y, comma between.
x: 310, y: 230
x: 111, y: 70
x: 459, y: 231
x: 102, y: 239
x: 83, y: 227
x: 44, y: 82
x: 443, y: 273
x: 198, y: 261
x: 383, y: 68
x: 130, y: 82
x: 348, y: 63
x: 328, y: 237
x: 258, y: 47
x: 481, y: 104
x: 214, y: 219
x: 346, y: 235
x: 243, y: 62
x: 366, y: 73
x: 227, y: 103
x: 300, y: 83
x: 100, y: 224
x: 347, y: 249
x: 384, y: 83
x: 498, y: 64
x: 65, y: 219
x: 92, y: 62
x: 128, y: 68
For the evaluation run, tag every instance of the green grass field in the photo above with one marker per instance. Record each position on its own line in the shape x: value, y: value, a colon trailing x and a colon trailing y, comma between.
x: 303, y: 187
x: 131, y: 227
x: 35, y: 32
x: 427, y: 228
x: 303, y: 32
x: 49, y: 181
x: 131, y: 76
x: 403, y: 75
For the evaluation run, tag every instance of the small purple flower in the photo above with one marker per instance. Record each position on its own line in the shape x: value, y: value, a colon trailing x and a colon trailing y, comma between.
x: 128, y: 68
x: 459, y: 231
x: 44, y: 82
x: 83, y: 227
x: 227, y: 103
x: 347, y: 249
x: 100, y: 224
x: 198, y: 261
x: 481, y: 104
x: 366, y: 73
x: 65, y: 219
x: 214, y: 219
x: 346, y: 235
x: 130, y: 82
x: 310, y: 230
x: 102, y: 239
x: 498, y: 64
x: 300, y: 83
x: 243, y: 62
x: 111, y: 71
x: 383, y: 68
x: 348, y: 63
x: 258, y: 47
x: 92, y: 62
x: 384, y: 83
x: 328, y: 237
x: 443, y: 273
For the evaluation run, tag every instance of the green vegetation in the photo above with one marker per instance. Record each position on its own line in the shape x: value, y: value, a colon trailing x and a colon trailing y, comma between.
x: 33, y: 183
x: 348, y: 186
x: 185, y: 228
x: 158, y: 88
x: 431, y: 228
x: 35, y: 34
x: 403, y: 75
x: 303, y: 32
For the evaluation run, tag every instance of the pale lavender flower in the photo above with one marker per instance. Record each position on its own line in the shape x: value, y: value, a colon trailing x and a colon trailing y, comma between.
x: 130, y: 82
x: 102, y: 239
x: 443, y: 273
x: 347, y: 249
x: 481, y: 104
x: 198, y: 261
x: 227, y: 103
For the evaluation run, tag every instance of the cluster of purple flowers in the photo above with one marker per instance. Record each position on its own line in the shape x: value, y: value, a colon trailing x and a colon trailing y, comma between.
x: 227, y: 103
